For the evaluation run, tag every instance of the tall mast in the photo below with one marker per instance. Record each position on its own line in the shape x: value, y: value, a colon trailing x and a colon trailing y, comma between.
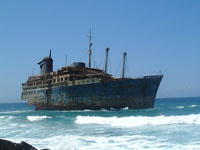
x: 50, y: 54
x: 90, y: 50
x: 107, y: 49
x: 124, y: 60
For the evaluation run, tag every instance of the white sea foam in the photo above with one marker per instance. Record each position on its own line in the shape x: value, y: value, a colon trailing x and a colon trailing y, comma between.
x: 15, y: 112
x: 2, y: 117
x: 125, y: 108
x: 69, y: 111
x: 193, y: 106
x: 103, y: 109
x: 7, y: 117
x: 180, y: 107
x: 133, y: 121
x: 37, y: 118
x: 76, y: 142
x: 88, y: 110
x: 133, y: 142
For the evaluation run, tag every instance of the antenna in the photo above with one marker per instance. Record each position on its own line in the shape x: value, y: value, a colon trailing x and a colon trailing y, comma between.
x: 124, y: 59
x: 90, y: 45
x: 65, y: 60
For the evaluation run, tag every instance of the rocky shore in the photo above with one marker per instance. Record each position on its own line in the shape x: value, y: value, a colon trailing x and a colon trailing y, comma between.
x: 8, y: 145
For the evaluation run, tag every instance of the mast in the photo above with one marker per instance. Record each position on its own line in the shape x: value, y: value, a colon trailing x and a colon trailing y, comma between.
x: 107, y: 49
x: 124, y: 60
x: 90, y: 50
x: 50, y: 54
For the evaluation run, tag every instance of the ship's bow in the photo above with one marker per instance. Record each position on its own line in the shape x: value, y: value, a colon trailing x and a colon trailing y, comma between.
x: 148, y: 87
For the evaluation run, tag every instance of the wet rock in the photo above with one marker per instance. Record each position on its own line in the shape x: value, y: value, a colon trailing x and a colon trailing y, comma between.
x: 8, y: 145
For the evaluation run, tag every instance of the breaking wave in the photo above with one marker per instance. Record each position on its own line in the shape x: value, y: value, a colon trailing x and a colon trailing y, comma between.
x: 193, y: 106
x: 37, y: 118
x: 125, y: 108
x: 7, y: 117
x: 15, y: 112
x: 133, y: 142
x: 2, y: 117
x: 139, y: 120
x: 71, y: 142
x: 179, y: 107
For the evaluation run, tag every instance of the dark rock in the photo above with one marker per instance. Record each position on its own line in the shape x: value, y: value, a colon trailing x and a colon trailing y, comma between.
x: 7, y: 145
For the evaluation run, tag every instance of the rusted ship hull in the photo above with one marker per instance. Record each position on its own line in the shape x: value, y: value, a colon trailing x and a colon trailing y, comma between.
x: 132, y: 93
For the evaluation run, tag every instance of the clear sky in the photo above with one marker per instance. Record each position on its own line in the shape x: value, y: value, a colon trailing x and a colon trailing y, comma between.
x: 159, y: 36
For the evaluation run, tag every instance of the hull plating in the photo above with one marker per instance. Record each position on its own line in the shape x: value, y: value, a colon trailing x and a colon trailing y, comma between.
x: 133, y: 93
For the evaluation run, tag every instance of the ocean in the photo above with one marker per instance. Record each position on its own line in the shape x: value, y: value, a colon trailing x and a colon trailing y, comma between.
x: 174, y: 123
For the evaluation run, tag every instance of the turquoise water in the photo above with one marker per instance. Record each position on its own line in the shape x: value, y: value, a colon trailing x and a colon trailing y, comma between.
x: 172, y: 124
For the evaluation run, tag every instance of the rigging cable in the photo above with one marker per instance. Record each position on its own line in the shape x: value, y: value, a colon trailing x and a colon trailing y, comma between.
x: 84, y: 56
x: 101, y: 61
x: 110, y: 63
x: 118, y: 68
x: 127, y: 69
x: 93, y: 61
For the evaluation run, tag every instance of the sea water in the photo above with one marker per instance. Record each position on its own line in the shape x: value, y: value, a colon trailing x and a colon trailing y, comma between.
x: 171, y: 124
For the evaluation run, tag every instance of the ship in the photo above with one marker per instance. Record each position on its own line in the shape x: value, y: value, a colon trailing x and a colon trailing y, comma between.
x: 79, y: 87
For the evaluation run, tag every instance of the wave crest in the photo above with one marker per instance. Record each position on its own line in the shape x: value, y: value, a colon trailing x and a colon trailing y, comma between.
x: 7, y: 117
x: 179, y: 107
x: 134, y: 121
x: 37, y: 118
x: 16, y: 111
x: 193, y: 106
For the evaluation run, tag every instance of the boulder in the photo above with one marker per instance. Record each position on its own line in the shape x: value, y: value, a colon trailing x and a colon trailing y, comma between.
x: 8, y: 145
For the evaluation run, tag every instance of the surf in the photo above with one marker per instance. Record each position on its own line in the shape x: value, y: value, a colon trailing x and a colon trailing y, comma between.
x: 37, y: 118
x: 135, y: 121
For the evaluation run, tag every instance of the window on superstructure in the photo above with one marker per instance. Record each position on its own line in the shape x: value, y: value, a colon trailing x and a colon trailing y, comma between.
x: 65, y: 78
x: 61, y: 79
x: 58, y: 80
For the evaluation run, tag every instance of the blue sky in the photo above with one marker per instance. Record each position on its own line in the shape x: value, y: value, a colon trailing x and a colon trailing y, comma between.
x: 159, y: 36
